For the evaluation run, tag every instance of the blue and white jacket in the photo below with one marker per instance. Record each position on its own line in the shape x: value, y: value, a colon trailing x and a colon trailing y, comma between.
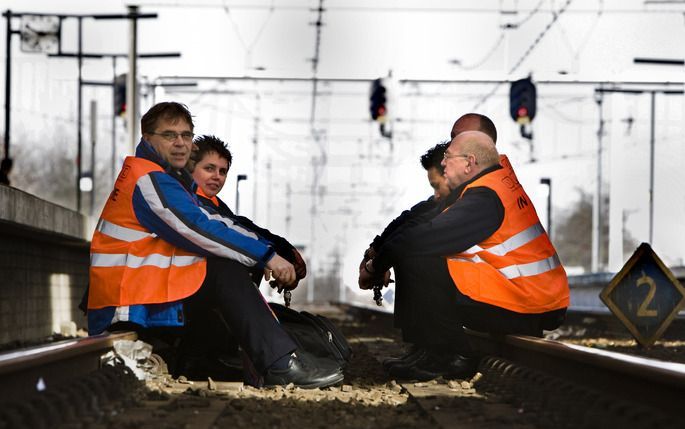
x: 166, y: 204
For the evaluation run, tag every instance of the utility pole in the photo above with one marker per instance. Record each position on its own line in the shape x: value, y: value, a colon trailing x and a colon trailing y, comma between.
x: 56, y: 33
x: 79, y: 115
x: 548, y: 181
x: 599, y: 93
x: 651, y: 167
x: 93, y: 140
x: 8, y: 80
x: 240, y: 178
x: 315, y: 60
x: 255, y: 154
x: 317, y: 165
x: 132, y: 79
x: 597, y: 201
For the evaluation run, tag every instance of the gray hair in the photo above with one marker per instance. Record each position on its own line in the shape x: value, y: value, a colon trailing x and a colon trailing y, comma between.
x: 481, y: 146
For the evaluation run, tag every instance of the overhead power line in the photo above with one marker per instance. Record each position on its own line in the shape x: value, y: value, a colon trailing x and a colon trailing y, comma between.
x: 525, y: 55
x: 418, y: 9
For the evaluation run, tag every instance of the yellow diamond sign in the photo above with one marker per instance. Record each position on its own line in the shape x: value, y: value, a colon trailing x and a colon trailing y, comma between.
x: 644, y: 295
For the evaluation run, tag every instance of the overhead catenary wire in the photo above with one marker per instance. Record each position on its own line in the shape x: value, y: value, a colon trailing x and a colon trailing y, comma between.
x: 248, y: 48
x: 528, y: 51
x: 404, y: 9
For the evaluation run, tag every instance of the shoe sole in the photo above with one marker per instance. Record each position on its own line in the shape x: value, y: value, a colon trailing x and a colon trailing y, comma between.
x: 321, y: 384
x: 333, y: 382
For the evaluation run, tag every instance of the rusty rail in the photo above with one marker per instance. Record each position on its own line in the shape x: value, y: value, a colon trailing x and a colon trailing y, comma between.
x: 26, y: 371
x: 635, y: 382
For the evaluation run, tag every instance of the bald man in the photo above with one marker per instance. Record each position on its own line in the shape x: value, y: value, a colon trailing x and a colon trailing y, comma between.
x: 423, y: 211
x: 485, y: 262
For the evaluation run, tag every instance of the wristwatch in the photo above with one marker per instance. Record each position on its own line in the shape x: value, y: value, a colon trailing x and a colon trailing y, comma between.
x: 369, y: 266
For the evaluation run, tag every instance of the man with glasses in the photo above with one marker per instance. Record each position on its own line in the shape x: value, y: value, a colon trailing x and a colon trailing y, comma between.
x: 406, y: 316
x: 483, y: 262
x: 155, y: 251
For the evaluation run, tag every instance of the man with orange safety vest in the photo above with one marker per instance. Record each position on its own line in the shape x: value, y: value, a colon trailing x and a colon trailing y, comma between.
x: 405, y: 314
x: 484, y: 262
x: 155, y: 250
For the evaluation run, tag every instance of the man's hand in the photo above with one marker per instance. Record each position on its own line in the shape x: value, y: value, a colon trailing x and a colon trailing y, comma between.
x: 369, y: 253
x: 300, y: 266
x: 281, y: 270
x: 387, y: 279
x: 368, y: 279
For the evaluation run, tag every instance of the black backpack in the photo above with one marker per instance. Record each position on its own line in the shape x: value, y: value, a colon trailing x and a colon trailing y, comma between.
x: 313, y: 333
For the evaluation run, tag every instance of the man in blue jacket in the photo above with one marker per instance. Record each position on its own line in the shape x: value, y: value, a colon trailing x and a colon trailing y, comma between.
x: 157, y: 255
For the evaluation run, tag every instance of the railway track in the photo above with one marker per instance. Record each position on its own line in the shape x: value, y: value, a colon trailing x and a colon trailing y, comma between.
x: 523, y: 382
x: 566, y: 385
x: 606, y: 389
x: 46, y: 385
x: 36, y: 368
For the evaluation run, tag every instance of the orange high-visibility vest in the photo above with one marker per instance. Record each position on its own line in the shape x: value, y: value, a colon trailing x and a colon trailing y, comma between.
x: 128, y: 263
x: 517, y: 267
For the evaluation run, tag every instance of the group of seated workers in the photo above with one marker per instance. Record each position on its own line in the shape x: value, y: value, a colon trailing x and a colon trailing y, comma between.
x: 473, y: 256
x: 167, y: 252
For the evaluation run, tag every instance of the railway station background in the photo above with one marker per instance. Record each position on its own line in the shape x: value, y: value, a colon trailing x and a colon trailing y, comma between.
x: 318, y: 170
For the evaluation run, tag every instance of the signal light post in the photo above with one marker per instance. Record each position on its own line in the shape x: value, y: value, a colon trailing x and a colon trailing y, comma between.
x: 522, y: 104
x: 378, y: 106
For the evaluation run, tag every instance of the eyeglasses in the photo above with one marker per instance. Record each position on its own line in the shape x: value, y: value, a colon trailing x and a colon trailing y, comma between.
x: 447, y: 156
x: 187, y: 136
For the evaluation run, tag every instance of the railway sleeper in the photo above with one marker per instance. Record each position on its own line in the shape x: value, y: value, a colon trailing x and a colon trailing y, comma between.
x: 89, y: 398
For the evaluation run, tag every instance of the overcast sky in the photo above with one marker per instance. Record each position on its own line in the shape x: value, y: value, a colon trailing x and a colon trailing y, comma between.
x: 337, y: 166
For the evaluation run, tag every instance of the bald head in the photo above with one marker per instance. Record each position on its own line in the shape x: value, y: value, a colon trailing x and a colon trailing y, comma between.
x: 469, y: 153
x: 475, y: 122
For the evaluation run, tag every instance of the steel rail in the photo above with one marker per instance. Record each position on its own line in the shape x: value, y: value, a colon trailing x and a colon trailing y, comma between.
x: 32, y: 369
x: 649, y: 382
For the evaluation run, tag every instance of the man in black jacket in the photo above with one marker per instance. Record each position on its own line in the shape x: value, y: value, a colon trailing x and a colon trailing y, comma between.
x: 406, y: 316
x: 487, y: 297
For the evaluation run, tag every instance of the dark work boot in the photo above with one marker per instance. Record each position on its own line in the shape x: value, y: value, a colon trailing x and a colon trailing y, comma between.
x: 413, y: 354
x: 433, y: 365
x: 304, y: 372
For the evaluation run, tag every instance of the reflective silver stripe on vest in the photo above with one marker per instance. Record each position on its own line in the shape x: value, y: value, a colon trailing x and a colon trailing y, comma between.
x: 131, y: 261
x: 230, y: 223
x: 522, y: 270
x: 121, y: 314
x: 514, y: 242
x: 120, y: 232
x: 532, y: 268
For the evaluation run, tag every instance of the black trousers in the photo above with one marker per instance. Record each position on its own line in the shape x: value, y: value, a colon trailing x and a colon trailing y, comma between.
x: 228, y: 289
x: 431, y: 312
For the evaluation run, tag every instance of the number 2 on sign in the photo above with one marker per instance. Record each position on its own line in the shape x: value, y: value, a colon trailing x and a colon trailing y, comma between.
x: 642, y: 311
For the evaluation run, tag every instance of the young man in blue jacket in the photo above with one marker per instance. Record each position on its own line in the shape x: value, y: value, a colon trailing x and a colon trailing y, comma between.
x: 210, y: 163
